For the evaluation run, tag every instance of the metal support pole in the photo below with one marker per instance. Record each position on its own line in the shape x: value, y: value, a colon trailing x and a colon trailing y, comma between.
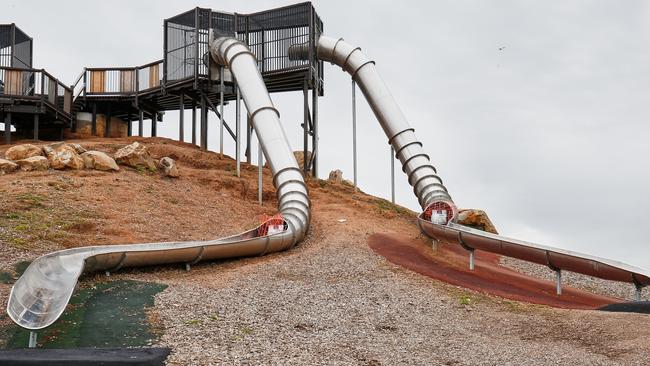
x: 154, y: 117
x: 32, y: 339
x: 314, y: 121
x: 107, y: 125
x: 260, y: 166
x: 193, y: 122
x: 305, y: 128
x: 8, y: 128
x: 221, y: 86
x: 637, y: 293
x: 249, y: 132
x: 471, y: 260
x: 392, y: 174
x: 558, y: 281
x: 181, y: 119
x: 354, y: 133
x: 237, y: 132
x: 129, y: 126
x: 204, y: 124
x: 36, y: 120
x: 140, y: 123
x: 93, y: 124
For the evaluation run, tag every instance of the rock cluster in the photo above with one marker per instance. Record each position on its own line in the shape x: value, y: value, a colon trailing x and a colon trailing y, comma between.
x: 70, y: 156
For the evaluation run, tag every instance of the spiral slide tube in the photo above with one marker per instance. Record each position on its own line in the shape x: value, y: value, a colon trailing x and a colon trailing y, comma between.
x: 41, y: 294
x: 428, y: 187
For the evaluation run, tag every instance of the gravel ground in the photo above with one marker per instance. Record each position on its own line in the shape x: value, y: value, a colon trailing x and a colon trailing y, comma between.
x: 329, y: 301
x: 621, y: 290
x: 332, y: 301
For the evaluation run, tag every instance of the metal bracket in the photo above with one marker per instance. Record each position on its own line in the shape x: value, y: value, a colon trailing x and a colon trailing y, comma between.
x: 119, y: 265
x: 194, y: 261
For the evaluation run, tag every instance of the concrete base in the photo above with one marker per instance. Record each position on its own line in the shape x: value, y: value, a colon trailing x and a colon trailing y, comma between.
x: 84, y: 356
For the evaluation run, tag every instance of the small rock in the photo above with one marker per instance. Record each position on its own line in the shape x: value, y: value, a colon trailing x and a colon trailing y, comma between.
x: 25, y: 151
x: 7, y: 166
x: 99, y: 161
x: 135, y: 155
x: 336, y: 176
x: 169, y: 167
x: 63, y: 156
x: 34, y: 163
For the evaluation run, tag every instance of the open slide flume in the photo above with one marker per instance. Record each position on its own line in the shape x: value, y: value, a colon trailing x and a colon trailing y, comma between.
x: 41, y: 294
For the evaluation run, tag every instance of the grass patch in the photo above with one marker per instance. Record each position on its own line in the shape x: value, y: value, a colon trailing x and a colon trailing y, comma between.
x: 386, y: 206
x: 21, y: 267
x: 28, y: 220
x: 108, y: 314
x: 6, y: 278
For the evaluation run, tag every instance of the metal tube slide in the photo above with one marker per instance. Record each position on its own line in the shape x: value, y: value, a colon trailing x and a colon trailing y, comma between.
x: 41, y: 294
x: 428, y: 186
x: 422, y: 176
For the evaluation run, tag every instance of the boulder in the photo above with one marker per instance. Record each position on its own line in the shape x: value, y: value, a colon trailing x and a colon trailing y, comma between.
x: 169, y: 167
x: 477, y: 219
x: 34, y: 163
x: 63, y: 156
x: 99, y: 161
x: 336, y: 176
x: 134, y: 155
x: 7, y: 166
x: 25, y: 151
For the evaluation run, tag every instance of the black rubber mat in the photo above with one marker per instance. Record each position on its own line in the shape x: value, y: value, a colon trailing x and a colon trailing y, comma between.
x: 84, y: 356
x: 642, y: 307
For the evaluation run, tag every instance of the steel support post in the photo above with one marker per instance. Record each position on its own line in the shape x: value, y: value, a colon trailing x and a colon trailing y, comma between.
x: 140, y: 123
x: 392, y: 174
x: 181, y: 119
x: 193, y: 121
x: 93, y: 123
x: 249, y: 132
x: 558, y: 282
x: 32, y: 339
x: 237, y: 132
x: 8, y: 128
x: 260, y: 166
x: 36, y: 121
x: 637, y: 292
x: 129, y: 126
x: 154, y: 125
x: 354, y: 134
x: 204, y: 115
x: 107, y: 124
x: 314, y: 121
x: 471, y: 260
x: 305, y: 129
x: 221, y: 86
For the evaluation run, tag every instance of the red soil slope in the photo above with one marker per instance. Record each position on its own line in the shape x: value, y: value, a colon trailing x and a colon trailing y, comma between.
x: 449, y: 263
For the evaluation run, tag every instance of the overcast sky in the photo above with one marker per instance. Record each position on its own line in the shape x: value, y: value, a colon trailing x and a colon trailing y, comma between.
x: 536, y: 111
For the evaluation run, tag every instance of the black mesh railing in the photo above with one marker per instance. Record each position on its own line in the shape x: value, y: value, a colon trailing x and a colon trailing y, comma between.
x: 15, y: 47
x: 269, y: 35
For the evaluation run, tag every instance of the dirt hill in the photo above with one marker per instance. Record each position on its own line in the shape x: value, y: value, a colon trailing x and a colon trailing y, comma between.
x: 329, y: 300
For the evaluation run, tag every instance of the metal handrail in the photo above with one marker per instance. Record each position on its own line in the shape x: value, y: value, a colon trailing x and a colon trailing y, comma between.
x: 117, y: 87
x: 36, y: 88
